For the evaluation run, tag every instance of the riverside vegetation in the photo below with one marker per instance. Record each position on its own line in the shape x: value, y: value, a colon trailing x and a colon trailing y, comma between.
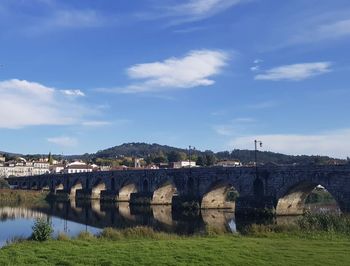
x: 9, y: 197
x: 314, y: 240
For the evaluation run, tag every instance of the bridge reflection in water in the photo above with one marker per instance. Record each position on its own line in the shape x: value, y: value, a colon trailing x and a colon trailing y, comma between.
x: 121, y: 215
x: 75, y: 216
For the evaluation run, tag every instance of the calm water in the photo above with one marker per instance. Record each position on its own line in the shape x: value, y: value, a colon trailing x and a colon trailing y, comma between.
x: 73, y: 217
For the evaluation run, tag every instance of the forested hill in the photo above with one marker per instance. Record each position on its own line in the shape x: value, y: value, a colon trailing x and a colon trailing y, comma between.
x: 156, y: 153
x: 137, y: 150
x: 245, y: 156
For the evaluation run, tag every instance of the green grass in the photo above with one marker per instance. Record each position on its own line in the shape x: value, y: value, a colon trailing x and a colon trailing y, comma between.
x: 278, y: 249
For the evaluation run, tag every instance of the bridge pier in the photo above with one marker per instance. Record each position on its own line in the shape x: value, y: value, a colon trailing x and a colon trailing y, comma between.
x: 250, y: 206
x: 83, y: 194
x: 60, y: 195
x: 141, y: 198
x: 109, y: 195
x: 186, y: 202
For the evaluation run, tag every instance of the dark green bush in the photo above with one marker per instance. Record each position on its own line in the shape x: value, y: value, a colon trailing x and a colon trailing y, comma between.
x: 42, y: 230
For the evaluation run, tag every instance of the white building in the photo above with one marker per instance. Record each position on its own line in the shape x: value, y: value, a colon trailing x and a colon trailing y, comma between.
x: 77, y: 167
x: 57, y: 168
x: 184, y: 164
x: 20, y: 167
x: 229, y: 163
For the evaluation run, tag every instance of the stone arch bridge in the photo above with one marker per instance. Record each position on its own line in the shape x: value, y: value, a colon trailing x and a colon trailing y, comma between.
x: 282, y: 189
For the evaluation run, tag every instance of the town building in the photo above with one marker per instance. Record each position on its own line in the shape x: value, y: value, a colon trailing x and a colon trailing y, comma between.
x: 183, y: 164
x: 229, y: 163
x: 77, y: 167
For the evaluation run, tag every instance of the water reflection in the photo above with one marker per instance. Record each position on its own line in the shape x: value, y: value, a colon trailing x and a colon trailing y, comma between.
x: 75, y: 216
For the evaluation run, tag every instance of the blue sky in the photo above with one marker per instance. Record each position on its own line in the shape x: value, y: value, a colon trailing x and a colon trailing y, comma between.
x: 80, y: 76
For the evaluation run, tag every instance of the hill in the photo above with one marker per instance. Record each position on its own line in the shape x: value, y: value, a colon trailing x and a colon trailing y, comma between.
x: 245, y: 156
x: 157, y: 153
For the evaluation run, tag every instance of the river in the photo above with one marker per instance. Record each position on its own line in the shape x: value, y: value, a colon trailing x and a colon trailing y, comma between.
x: 74, y: 217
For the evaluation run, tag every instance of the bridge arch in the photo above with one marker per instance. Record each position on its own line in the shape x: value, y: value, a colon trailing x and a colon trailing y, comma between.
x: 126, y: 190
x: 98, y: 186
x: 77, y: 185
x: 221, y: 194
x: 45, y: 185
x: 164, y: 193
x: 59, y: 185
x: 291, y: 199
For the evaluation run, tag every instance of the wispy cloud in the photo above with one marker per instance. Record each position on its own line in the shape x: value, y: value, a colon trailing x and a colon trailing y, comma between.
x: 26, y: 103
x: 95, y: 123
x: 330, y: 30
x: 234, y: 127
x: 333, y: 143
x: 73, y: 92
x: 63, y: 141
x: 295, y: 72
x: 262, y: 105
x: 193, y: 70
x: 66, y: 19
x: 50, y: 16
x: 185, y: 11
x: 193, y: 10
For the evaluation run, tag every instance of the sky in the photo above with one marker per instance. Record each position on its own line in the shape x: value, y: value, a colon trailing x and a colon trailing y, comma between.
x: 80, y: 76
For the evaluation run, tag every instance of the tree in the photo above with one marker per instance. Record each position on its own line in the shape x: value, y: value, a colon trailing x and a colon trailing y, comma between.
x: 201, y: 161
x: 160, y: 159
x: 210, y: 159
x: 50, y: 159
x: 176, y: 156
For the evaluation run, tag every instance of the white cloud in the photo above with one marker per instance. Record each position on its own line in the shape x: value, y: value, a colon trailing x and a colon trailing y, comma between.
x: 63, y: 141
x: 255, y: 68
x: 193, y: 70
x: 24, y: 103
x: 334, y: 143
x: 295, y: 72
x: 73, y: 92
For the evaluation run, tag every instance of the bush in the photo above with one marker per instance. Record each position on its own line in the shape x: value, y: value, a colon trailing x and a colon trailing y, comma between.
x: 4, y: 183
x: 85, y: 236
x: 63, y: 237
x: 138, y: 232
x: 111, y: 234
x: 330, y: 223
x: 42, y: 230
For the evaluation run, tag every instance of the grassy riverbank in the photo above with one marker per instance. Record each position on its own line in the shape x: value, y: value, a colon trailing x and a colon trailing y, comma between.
x: 10, y: 197
x: 278, y: 249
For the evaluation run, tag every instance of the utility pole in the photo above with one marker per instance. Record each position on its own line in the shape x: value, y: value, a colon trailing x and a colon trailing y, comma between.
x: 256, y: 143
x: 189, y: 155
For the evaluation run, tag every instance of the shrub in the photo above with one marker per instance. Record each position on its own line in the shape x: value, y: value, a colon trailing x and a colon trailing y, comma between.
x: 330, y: 223
x: 111, y: 234
x: 85, y: 236
x: 42, y: 230
x: 63, y: 237
x: 4, y: 183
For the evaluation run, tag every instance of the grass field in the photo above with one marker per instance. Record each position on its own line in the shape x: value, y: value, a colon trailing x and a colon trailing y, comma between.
x: 277, y: 249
